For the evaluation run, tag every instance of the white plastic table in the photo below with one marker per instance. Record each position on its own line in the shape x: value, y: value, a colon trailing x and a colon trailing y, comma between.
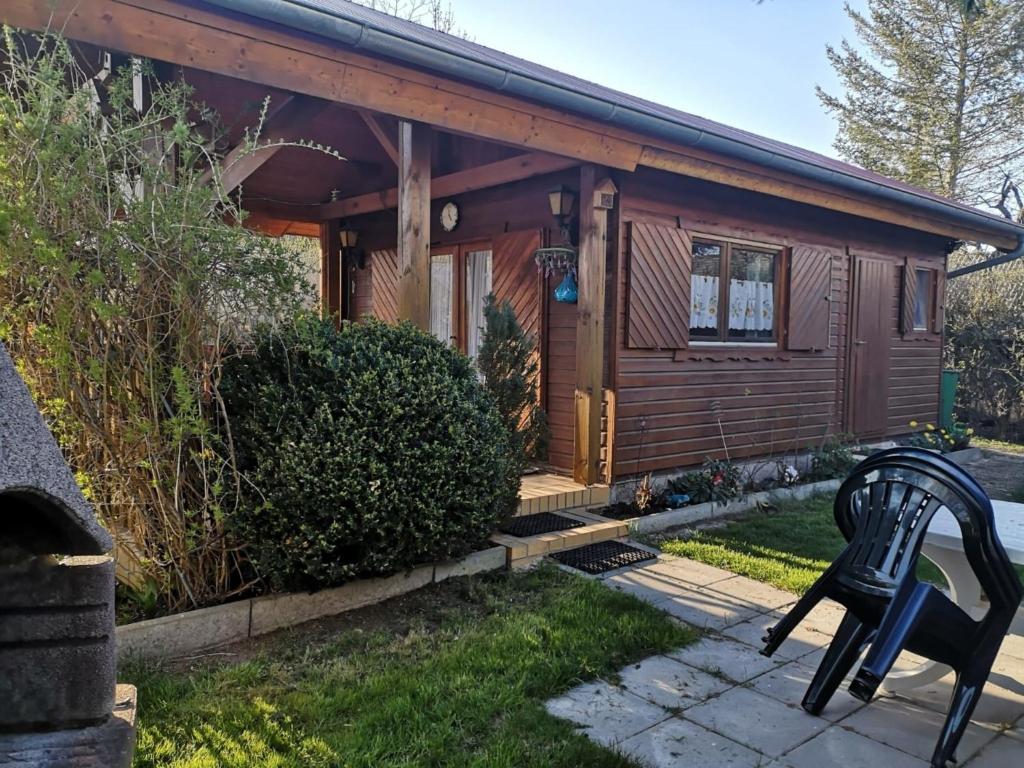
x: 944, y: 546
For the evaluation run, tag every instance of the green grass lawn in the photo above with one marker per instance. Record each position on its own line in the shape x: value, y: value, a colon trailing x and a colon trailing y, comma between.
x: 788, y: 548
x: 461, y: 682
x: 997, y: 445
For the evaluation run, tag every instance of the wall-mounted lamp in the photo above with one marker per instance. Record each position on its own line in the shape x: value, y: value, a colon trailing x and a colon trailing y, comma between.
x: 349, y: 238
x: 561, y: 200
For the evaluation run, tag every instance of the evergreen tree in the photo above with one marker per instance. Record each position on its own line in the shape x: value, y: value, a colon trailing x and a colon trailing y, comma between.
x: 934, y: 95
x: 509, y: 364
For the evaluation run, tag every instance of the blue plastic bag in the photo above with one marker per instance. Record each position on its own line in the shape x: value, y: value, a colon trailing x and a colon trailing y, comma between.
x: 566, y: 291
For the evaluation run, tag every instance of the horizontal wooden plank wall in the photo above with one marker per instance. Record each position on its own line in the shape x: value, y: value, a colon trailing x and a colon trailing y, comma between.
x: 668, y: 404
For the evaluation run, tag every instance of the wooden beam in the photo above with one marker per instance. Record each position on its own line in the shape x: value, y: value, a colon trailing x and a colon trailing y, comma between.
x: 259, y: 52
x: 470, y: 180
x: 264, y: 53
x: 749, y: 177
x: 286, y: 123
x: 386, y: 141
x: 597, y: 196
x: 414, y: 223
x: 330, y: 270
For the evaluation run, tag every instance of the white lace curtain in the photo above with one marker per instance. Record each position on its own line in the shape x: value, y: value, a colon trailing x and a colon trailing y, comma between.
x: 441, y: 297
x: 751, y: 304
x: 478, y: 285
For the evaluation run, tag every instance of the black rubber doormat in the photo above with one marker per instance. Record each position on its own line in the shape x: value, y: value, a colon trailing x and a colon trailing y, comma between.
x: 603, y: 556
x: 542, y: 522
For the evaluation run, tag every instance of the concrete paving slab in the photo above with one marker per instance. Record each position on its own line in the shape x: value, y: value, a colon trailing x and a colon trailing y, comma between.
x: 1005, y: 751
x: 670, y: 683
x: 647, y: 585
x: 726, y: 658
x: 707, y: 609
x: 606, y: 714
x: 761, y: 595
x: 912, y: 728
x: 998, y: 706
x: 840, y: 747
x: 800, y: 642
x: 757, y: 721
x: 676, y: 743
x: 691, y: 571
x: 790, y: 682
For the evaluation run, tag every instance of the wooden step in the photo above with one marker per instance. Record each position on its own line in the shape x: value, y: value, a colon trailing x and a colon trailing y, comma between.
x: 525, y: 551
x: 554, y: 493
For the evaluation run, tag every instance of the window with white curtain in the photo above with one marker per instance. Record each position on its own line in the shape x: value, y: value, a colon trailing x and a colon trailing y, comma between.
x: 478, y: 286
x: 441, y: 297
x: 739, y: 278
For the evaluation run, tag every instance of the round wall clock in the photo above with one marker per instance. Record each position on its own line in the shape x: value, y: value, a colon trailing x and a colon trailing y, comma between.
x: 450, y: 216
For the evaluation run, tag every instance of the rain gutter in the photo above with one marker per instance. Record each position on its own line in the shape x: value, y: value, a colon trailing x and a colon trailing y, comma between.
x: 379, y: 41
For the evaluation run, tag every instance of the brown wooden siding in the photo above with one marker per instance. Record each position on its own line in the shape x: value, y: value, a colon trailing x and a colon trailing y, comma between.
x: 673, y: 406
x: 560, y: 377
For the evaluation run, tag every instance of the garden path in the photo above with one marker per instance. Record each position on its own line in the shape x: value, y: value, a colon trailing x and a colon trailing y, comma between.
x: 1000, y: 473
x: 720, y: 704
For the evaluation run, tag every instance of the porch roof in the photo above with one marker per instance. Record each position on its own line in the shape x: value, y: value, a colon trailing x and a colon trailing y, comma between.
x: 380, y: 34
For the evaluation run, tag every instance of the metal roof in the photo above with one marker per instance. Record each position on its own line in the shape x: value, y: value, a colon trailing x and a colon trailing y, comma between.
x: 382, y: 34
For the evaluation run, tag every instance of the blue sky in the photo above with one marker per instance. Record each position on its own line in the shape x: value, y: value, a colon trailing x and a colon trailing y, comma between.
x: 750, y: 65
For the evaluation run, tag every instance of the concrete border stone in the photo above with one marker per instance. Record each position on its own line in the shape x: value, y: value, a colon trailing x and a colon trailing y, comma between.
x: 206, y: 628
x: 672, y: 518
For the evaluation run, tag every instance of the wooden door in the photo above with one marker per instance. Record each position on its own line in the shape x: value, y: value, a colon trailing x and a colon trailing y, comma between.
x: 870, y: 335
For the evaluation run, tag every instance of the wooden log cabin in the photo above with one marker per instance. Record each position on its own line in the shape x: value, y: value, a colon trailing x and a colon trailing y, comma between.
x: 733, y: 291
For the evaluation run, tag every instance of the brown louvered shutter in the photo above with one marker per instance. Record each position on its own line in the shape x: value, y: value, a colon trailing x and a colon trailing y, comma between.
x: 939, y: 307
x: 909, y: 299
x: 384, y: 279
x: 810, y: 298
x: 658, y: 300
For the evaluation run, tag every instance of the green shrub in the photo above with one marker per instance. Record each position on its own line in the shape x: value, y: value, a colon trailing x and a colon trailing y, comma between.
x: 364, y: 451
x: 833, y: 459
x: 717, y: 480
x: 510, y: 366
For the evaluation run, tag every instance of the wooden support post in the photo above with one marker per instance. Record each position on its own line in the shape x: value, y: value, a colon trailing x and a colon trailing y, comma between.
x: 414, y: 223
x: 596, y: 198
x: 330, y: 269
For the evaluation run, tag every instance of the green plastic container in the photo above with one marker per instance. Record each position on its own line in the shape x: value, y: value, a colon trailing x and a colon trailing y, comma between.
x: 947, y: 397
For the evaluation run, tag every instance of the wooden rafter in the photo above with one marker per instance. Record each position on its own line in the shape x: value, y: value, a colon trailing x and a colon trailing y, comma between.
x: 237, y: 47
x: 386, y: 141
x: 472, y: 179
x: 287, y: 123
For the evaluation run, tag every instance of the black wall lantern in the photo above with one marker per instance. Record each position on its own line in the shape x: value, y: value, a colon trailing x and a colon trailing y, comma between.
x: 561, y: 199
x: 349, y: 237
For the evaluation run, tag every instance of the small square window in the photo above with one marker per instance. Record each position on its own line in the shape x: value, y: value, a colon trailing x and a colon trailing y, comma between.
x: 922, y: 299
x: 732, y: 293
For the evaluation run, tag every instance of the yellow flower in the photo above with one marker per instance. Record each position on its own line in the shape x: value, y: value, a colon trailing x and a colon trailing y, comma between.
x: 913, y: 423
x: 930, y: 426
x: 970, y: 430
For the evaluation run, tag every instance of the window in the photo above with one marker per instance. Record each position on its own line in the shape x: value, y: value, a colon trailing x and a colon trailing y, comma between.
x: 478, y: 287
x: 740, y: 309
x: 441, y: 297
x: 460, y: 280
x: 923, y: 299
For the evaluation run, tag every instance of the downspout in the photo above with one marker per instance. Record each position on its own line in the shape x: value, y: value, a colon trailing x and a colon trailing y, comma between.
x: 1006, y: 258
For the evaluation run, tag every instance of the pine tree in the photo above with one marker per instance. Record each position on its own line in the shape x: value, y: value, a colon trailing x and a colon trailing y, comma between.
x: 509, y: 364
x: 934, y: 95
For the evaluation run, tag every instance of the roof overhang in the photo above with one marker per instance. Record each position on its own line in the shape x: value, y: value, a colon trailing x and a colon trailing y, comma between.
x: 336, y: 52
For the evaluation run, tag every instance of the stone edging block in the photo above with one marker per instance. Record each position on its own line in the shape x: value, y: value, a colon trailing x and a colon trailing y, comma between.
x: 200, y: 630
x: 671, y: 518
